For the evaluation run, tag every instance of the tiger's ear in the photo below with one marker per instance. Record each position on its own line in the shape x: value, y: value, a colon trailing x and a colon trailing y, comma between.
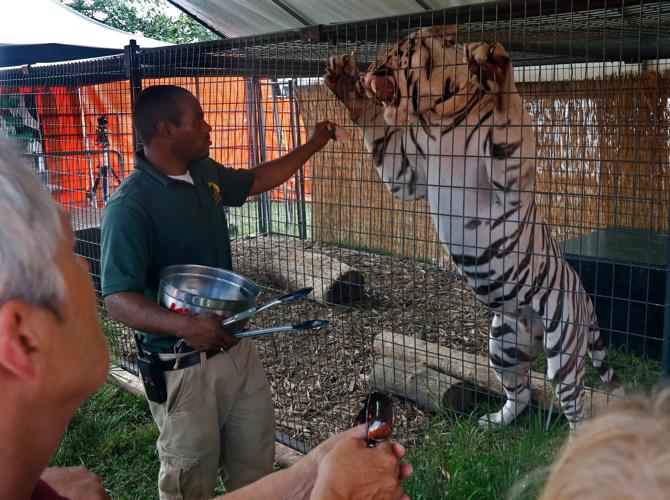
x: 447, y: 31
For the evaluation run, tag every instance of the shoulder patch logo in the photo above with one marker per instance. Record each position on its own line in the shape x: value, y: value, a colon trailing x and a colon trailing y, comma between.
x: 216, y: 192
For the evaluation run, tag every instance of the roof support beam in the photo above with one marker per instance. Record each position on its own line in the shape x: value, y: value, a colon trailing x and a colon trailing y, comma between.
x: 423, y: 5
x: 292, y: 12
x: 198, y: 20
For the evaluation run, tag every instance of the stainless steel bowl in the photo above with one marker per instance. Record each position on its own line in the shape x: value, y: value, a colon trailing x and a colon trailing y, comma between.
x: 194, y: 289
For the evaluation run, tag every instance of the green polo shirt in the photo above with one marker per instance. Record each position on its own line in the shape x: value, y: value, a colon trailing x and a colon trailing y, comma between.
x: 153, y: 221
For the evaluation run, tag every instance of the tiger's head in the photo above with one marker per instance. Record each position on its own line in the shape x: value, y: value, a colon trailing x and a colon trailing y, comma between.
x: 419, y: 78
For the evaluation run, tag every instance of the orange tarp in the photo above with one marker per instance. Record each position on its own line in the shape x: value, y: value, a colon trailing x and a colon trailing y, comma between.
x: 69, y: 119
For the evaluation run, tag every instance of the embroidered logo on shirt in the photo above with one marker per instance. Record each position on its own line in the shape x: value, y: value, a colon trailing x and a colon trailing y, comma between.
x: 216, y: 191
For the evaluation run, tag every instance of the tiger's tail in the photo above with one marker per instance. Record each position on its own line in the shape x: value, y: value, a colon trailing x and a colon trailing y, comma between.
x: 596, y: 350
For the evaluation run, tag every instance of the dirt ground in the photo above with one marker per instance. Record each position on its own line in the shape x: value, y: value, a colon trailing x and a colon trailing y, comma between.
x: 320, y: 377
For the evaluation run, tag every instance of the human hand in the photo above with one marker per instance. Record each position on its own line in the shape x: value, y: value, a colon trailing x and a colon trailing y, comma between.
x: 204, y: 331
x: 75, y: 483
x: 317, y: 454
x: 322, y: 133
x: 352, y: 470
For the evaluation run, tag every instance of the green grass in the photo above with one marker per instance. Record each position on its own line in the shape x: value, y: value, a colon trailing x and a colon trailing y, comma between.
x: 638, y: 374
x: 283, y: 218
x: 114, y: 435
x: 456, y: 459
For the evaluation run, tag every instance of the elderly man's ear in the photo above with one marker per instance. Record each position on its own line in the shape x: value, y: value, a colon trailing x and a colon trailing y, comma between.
x: 19, y: 341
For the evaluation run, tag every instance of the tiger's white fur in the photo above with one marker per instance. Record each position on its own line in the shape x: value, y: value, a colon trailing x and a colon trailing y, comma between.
x: 444, y: 121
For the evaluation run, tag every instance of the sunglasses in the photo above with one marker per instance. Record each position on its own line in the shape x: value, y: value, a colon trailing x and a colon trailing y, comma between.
x: 377, y: 415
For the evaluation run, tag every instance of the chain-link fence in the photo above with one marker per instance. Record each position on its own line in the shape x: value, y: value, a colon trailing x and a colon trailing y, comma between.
x: 411, y: 288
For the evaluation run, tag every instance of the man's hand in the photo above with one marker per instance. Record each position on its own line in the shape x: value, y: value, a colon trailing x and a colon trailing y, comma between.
x: 204, y: 331
x: 354, y: 471
x: 75, y: 483
x: 322, y: 133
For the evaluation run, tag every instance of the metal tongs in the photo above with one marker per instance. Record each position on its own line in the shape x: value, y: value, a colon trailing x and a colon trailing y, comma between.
x: 305, y: 325
x: 252, y: 311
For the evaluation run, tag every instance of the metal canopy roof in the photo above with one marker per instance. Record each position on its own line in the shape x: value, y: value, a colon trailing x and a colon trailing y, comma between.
x: 236, y: 18
x: 541, y: 32
x: 537, y: 32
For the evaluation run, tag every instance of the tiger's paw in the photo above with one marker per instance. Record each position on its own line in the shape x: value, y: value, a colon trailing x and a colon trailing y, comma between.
x: 492, y: 420
x: 491, y: 63
x: 343, y: 80
x: 508, y: 413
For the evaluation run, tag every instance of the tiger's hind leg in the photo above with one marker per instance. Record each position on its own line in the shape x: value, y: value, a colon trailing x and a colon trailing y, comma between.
x: 513, y: 343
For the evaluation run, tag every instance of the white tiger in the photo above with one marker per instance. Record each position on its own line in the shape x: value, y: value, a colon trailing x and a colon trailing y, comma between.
x: 444, y: 121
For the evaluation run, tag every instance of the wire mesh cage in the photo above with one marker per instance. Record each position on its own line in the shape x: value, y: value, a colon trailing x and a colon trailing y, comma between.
x: 430, y: 297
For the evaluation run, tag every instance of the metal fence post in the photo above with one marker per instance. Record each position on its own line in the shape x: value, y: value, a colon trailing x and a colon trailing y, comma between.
x: 300, y: 184
x: 252, y: 130
x: 665, y: 368
x: 131, y: 62
x: 262, y: 149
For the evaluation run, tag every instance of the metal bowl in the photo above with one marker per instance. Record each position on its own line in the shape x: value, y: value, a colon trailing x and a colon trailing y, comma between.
x: 193, y: 289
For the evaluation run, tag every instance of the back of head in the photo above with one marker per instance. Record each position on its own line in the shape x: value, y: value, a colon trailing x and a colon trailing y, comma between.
x: 154, y: 104
x: 29, y: 235
x: 623, y: 453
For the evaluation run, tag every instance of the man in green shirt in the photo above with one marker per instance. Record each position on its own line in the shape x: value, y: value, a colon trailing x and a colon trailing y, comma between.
x: 218, y: 416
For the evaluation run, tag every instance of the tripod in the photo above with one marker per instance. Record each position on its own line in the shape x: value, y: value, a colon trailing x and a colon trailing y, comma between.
x: 102, y: 174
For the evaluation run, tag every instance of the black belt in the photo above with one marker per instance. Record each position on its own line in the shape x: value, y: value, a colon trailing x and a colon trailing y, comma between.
x: 190, y: 359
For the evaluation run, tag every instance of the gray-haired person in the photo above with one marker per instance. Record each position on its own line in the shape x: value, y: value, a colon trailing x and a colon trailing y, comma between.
x: 52, y: 351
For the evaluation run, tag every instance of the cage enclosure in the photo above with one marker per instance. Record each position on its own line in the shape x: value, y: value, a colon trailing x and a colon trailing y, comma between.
x: 593, y: 77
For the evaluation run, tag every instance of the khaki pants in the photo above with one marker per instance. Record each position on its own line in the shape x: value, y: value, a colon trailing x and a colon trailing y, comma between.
x: 218, y: 418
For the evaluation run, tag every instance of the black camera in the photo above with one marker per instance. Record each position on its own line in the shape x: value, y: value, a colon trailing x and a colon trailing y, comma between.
x: 101, y: 134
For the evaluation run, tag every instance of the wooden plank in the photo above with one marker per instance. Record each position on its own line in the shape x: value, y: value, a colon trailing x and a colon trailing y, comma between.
x: 128, y: 381
x: 286, y: 456
x: 422, y: 384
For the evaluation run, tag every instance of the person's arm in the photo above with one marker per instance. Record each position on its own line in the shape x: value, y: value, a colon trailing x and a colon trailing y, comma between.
x: 298, y: 480
x: 343, y: 458
x: 201, y: 332
x: 274, y: 173
x: 74, y: 483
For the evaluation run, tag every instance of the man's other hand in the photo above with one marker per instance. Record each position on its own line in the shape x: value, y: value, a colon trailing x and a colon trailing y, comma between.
x: 204, y: 331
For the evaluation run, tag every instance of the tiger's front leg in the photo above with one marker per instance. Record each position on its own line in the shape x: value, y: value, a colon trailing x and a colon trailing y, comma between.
x: 514, y: 342
x: 509, y: 146
x: 344, y: 81
x: 395, y: 157
x: 491, y: 63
